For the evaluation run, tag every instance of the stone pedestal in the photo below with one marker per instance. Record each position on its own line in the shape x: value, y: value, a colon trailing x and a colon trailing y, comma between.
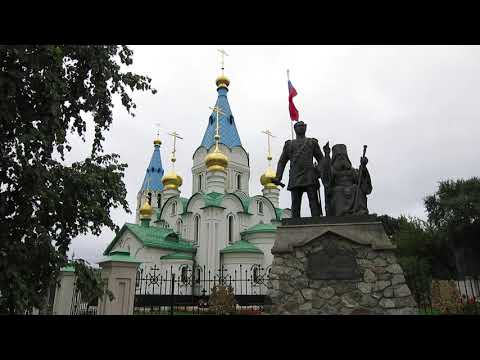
x: 120, y: 270
x: 336, y: 265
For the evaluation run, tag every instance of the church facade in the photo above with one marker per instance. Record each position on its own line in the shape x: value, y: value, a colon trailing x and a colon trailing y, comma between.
x: 221, y: 225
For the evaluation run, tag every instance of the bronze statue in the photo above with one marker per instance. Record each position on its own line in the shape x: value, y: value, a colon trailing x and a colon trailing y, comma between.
x: 303, y: 176
x: 346, y: 188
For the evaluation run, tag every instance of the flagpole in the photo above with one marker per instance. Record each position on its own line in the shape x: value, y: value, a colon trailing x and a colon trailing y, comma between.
x: 291, y: 122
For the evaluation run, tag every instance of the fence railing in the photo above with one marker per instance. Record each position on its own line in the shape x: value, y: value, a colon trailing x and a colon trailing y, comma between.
x: 185, y: 289
x: 80, y: 306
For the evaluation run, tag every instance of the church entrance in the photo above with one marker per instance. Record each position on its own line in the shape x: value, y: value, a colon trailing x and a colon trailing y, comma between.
x: 189, y: 290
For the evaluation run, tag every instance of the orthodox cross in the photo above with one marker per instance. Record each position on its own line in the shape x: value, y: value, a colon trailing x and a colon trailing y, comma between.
x: 223, y: 53
x: 175, y: 136
x: 269, y: 135
x: 217, y: 110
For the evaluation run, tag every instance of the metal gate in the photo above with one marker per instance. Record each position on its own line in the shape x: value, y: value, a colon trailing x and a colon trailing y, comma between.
x: 185, y: 289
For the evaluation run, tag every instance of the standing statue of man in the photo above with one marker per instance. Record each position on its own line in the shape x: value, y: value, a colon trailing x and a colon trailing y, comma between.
x: 303, y: 175
x: 346, y: 188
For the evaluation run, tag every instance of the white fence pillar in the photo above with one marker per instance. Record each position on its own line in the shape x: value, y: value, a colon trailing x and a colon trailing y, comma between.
x: 64, y: 292
x: 119, y: 269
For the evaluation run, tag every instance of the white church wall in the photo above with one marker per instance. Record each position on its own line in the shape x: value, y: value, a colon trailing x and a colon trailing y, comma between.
x: 267, y: 212
x: 238, y: 165
x: 264, y: 241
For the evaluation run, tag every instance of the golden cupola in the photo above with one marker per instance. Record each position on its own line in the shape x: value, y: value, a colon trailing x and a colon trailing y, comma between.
x: 146, y: 211
x: 267, y: 177
x: 222, y: 81
x: 216, y: 160
x: 171, y: 180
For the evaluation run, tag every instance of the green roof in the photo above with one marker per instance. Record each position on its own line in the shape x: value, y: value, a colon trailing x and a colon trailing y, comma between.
x: 241, y: 246
x: 213, y: 199
x: 279, y: 213
x: 260, y: 228
x: 152, y: 236
x: 68, y: 268
x: 121, y: 255
x: 177, y: 256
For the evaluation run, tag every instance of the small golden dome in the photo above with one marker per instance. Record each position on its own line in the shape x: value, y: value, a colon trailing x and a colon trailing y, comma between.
x: 216, y: 160
x: 146, y: 211
x: 157, y: 142
x: 172, y: 181
x: 222, y: 81
x: 266, y: 179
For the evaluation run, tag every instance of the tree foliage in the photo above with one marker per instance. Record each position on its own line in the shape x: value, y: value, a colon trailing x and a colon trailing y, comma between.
x: 46, y: 93
x: 455, y: 203
x: 89, y: 283
x: 454, y: 210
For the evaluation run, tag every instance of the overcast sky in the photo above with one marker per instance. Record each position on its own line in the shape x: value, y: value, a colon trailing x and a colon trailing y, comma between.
x: 416, y: 107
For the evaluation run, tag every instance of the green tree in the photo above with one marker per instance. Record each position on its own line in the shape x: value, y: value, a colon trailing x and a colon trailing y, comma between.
x: 456, y: 203
x: 454, y: 210
x: 45, y: 93
x: 414, y: 240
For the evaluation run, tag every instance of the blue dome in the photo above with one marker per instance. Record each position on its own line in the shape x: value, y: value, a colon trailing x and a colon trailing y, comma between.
x: 228, y: 131
x: 154, y: 173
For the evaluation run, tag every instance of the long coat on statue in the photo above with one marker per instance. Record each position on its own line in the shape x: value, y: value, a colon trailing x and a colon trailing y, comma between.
x: 300, y: 152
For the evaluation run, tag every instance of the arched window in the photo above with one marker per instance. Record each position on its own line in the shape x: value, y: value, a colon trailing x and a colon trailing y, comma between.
x: 239, y: 182
x: 149, y: 198
x: 184, y: 275
x: 260, y: 207
x: 159, y: 200
x: 230, y: 229
x: 179, y: 226
x: 196, y: 229
x: 174, y: 208
x: 200, y: 182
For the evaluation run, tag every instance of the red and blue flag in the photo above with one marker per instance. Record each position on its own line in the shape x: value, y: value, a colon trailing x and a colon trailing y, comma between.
x: 291, y: 106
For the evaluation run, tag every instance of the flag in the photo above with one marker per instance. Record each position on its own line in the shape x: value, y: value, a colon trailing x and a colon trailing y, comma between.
x: 291, y: 106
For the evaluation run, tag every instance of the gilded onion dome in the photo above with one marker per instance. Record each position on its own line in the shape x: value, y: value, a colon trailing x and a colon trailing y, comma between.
x: 267, y: 177
x: 172, y: 181
x: 222, y: 81
x: 157, y: 142
x: 216, y: 160
x: 146, y: 211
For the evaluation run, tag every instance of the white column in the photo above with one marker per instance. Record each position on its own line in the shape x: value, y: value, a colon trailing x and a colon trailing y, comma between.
x: 216, y: 181
x: 64, y: 292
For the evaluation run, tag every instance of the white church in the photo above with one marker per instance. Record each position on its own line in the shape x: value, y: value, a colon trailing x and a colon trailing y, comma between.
x: 221, y: 225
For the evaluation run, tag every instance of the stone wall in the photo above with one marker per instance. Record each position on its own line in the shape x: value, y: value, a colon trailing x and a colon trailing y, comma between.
x: 380, y: 287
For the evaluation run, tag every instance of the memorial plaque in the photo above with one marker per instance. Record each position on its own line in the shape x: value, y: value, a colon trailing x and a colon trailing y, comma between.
x: 332, y: 264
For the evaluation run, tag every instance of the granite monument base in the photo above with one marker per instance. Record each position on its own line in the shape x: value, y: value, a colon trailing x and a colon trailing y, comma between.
x: 336, y: 265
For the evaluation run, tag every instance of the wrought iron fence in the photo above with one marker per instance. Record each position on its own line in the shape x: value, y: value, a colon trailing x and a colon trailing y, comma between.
x: 184, y: 289
x: 80, y: 306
